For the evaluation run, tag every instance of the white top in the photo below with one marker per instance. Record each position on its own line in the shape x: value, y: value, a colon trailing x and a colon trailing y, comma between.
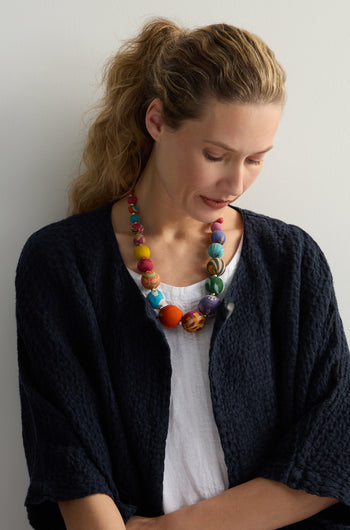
x: 194, y: 467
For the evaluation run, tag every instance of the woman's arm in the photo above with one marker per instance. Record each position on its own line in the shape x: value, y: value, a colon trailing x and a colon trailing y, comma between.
x: 94, y: 512
x: 260, y: 504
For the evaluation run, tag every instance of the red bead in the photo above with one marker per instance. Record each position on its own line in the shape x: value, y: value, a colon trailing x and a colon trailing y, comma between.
x: 220, y: 220
x: 170, y: 316
x: 133, y: 209
x: 132, y: 192
x: 137, y: 227
x: 132, y: 200
x: 145, y: 264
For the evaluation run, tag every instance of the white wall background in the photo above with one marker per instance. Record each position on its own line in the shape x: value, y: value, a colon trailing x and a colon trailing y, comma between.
x: 51, y: 56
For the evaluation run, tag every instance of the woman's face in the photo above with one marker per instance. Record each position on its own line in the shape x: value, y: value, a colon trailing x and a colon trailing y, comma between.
x: 208, y: 163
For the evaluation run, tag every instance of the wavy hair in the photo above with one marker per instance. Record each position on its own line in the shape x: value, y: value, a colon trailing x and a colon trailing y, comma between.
x: 184, y: 69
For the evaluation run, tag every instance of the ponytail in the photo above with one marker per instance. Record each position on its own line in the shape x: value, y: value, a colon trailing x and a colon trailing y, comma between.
x: 118, y: 144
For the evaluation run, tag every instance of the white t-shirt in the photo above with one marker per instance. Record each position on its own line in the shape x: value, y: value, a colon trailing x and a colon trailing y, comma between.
x: 194, y: 467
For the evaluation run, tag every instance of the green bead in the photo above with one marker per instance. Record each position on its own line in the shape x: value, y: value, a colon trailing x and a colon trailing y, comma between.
x: 214, y: 285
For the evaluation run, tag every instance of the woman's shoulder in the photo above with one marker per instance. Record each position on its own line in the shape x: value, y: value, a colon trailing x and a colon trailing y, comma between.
x: 279, y: 245
x: 65, y: 241
x: 282, y: 234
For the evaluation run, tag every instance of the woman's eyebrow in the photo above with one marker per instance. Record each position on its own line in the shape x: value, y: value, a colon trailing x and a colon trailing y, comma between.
x: 228, y: 148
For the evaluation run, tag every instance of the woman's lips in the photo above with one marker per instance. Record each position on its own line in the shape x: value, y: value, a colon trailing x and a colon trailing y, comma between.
x: 213, y: 203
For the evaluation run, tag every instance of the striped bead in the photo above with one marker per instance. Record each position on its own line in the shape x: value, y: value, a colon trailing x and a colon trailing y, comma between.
x: 132, y: 200
x: 216, y: 266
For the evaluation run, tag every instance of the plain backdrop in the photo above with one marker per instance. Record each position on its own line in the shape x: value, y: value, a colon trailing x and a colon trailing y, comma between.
x: 52, y: 54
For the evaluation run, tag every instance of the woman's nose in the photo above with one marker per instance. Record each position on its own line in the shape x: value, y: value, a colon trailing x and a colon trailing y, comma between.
x: 234, y: 179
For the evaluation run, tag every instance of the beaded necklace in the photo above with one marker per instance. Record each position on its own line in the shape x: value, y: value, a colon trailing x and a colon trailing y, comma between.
x: 170, y: 315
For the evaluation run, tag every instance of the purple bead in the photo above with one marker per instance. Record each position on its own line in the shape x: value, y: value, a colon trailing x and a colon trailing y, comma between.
x: 216, y: 226
x: 209, y: 305
x: 218, y: 237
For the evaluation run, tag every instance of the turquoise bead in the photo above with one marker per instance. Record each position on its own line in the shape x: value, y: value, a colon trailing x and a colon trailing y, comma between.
x: 214, y: 285
x: 134, y: 218
x: 156, y: 299
x: 215, y: 250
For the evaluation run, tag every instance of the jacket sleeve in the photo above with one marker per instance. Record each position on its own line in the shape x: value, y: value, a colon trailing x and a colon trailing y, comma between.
x: 313, y: 454
x: 62, y: 421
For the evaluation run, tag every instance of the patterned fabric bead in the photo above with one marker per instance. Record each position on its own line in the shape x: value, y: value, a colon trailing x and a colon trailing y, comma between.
x: 193, y: 321
x: 134, y: 218
x: 209, y: 305
x: 150, y: 280
x: 215, y: 250
x: 132, y: 200
x: 139, y: 239
x: 142, y: 251
x: 156, y: 299
x: 216, y: 266
x: 218, y: 237
x: 145, y: 265
x: 133, y: 209
x: 137, y: 228
x: 170, y: 316
x: 214, y: 285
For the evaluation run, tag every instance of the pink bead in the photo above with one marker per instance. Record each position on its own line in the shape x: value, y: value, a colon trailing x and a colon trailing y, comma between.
x: 216, y: 226
x: 145, y: 264
x: 139, y: 239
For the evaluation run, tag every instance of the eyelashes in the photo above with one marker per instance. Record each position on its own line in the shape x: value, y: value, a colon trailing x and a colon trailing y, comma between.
x: 212, y: 158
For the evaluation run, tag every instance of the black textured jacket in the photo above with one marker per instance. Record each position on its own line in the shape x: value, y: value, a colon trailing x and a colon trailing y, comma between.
x: 94, y: 371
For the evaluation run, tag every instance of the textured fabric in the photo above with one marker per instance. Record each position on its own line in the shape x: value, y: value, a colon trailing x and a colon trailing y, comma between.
x: 194, y: 464
x: 95, y: 371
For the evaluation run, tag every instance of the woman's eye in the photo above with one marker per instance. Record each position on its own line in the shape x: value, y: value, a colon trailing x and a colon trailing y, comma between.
x: 254, y: 162
x: 213, y: 158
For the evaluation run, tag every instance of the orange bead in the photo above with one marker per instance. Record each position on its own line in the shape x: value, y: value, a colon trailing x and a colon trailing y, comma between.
x: 170, y: 316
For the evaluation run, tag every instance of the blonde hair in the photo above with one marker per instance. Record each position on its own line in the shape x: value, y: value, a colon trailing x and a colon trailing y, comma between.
x: 184, y: 69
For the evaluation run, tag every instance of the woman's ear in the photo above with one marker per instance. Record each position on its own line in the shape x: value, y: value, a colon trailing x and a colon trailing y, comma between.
x: 154, y: 119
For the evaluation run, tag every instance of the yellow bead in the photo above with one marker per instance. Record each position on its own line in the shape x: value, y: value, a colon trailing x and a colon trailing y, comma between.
x: 142, y: 251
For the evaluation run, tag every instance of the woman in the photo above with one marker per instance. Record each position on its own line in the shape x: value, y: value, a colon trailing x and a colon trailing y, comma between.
x: 218, y: 398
